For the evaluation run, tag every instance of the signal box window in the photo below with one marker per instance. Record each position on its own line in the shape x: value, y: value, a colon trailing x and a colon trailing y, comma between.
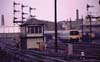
x: 35, y: 29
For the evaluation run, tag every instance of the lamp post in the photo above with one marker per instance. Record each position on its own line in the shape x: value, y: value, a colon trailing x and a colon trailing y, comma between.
x: 55, y: 19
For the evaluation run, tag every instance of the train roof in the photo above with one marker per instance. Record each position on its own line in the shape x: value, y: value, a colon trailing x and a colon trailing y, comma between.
x: 61, y: 31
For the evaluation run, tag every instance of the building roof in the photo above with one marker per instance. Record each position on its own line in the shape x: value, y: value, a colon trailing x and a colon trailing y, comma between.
x: 48, y: 25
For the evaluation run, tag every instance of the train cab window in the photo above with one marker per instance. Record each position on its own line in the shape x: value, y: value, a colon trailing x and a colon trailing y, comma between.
x: 74, y: 33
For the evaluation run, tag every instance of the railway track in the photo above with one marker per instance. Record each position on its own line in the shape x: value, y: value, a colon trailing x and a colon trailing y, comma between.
x: 28, y: 56
x: 92, y: 51
x: 25, y: 55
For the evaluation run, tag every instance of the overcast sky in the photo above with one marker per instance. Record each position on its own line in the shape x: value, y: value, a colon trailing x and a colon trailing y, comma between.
x: 45, y: 9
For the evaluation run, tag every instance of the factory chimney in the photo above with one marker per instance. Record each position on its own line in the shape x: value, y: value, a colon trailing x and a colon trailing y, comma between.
x: 2, y: 20
x: 77, y: 14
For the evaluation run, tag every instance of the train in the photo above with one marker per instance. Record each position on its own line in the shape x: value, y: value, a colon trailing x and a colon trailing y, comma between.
x: 71, y: 35
x: 63, y: 35
x: 79, y: 36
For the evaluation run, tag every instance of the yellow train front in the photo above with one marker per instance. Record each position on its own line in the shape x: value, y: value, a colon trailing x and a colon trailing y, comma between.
x: 74, y: 36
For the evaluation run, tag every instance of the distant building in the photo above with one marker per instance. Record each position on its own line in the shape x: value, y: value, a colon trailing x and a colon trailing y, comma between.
x: 10, y: 35
x: 2, y: 20
x: 95, y: 26
x: 68, y: 25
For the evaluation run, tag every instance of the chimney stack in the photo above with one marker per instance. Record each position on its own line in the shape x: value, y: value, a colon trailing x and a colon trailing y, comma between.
x: 2, y: 20
x: 77, y: 14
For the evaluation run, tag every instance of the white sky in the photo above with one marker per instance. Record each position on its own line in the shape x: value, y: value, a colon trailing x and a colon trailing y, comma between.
x: 45, y: 8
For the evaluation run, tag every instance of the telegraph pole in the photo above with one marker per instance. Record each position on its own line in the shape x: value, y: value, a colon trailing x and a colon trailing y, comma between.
x: 15, y: 11
x: 70, y: 24
x: 90, y: 19
x: 30, y: 10
x: 82, y: 28
x: 22, y: 12
x: 90, y: 28
x: 22, y: 6
x: 55, y: 19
